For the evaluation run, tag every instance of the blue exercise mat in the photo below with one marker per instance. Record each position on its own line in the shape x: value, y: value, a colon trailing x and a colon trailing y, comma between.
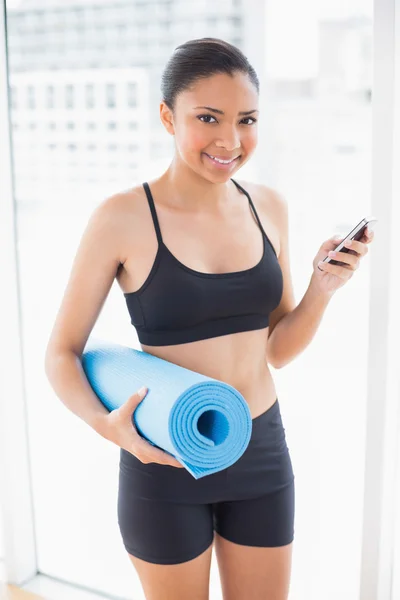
x: 204, y: 423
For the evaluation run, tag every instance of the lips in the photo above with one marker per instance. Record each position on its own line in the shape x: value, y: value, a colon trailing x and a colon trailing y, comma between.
x: 230, y: 158
x: 219, y: 166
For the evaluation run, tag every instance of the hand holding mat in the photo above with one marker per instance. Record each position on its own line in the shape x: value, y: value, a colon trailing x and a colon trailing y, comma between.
x: 204, y: 423
x: 119, y: 430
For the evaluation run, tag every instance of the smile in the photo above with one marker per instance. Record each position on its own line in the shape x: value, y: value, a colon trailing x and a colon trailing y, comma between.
x: 221, y: 163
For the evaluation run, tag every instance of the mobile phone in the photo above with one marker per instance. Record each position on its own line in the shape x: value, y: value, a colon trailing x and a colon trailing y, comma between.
x: 355, y: 234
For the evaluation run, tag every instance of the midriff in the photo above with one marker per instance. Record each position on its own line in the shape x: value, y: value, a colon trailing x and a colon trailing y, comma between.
x: 238, y: 359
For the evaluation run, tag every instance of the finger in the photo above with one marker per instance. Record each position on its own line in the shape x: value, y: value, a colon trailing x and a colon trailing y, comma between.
x: 344, y: 257
x: 342, y: 272
x: 368, y: 236
x: 130, y: 405
x: 359, y: 247
x: 154, y: 454
x: 332, y: 243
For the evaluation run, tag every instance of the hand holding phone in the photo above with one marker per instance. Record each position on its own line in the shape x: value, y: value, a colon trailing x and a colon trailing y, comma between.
x: 355, y: 234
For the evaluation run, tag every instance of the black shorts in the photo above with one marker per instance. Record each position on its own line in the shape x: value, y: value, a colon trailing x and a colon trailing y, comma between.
x: 166, y: 516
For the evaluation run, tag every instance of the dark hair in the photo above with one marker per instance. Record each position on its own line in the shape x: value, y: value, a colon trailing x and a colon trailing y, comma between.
x: 199, y: 59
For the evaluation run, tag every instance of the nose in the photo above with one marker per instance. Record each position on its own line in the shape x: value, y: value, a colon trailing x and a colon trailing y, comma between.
x: 230, y: 140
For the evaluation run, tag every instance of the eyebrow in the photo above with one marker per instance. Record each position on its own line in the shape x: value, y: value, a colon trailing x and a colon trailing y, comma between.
x: 221, y: 112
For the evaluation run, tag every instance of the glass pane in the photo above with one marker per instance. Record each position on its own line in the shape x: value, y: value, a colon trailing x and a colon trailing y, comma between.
x: 84, y: 101
x: 319, y: 62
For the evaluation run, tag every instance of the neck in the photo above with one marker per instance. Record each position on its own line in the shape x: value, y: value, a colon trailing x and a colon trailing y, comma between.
x: 193, y: 192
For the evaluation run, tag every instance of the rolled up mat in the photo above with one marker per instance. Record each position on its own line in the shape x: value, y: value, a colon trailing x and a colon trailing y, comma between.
x: 204, y: 423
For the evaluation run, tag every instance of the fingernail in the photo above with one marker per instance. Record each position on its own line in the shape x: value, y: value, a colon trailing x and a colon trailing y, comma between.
x: 142, y: 390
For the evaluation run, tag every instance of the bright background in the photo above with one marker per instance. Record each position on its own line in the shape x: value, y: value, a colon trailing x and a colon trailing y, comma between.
x: 84, y: 93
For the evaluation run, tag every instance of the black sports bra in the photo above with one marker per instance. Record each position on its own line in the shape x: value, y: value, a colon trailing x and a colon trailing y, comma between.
x: 177, y: 304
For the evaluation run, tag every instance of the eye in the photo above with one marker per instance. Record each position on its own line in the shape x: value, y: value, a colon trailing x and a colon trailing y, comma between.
x: 205, y: 116
x: 211, y: 117
x: 252, y: 118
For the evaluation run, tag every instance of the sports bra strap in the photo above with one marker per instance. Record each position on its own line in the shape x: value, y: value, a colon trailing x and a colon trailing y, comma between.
x: 251, y: 204
x: 153, y: 211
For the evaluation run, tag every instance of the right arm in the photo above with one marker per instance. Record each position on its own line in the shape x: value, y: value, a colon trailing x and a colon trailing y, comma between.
x: 93, y: 271
x: 95, y: 266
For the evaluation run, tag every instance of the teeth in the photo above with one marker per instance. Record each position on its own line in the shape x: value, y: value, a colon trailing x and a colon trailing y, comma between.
x: 224, y: 162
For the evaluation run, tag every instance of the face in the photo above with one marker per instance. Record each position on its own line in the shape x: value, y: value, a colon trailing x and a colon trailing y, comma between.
x: 203, y: 135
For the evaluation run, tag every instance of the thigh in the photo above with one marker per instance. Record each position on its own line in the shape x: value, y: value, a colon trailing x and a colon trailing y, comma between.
x: 189, y: 579
x: 253, y: 546
x: 266, y: 521
x: 164, y: 532
x: 168, y: 542
x: 253, y: 572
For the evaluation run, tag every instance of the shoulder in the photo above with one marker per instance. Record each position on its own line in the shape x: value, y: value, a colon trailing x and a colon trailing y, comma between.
x: 120, y: 203
x: 271, y: 205
x: 266, y: 197
x: 115, y: 218
x: 125, y: 207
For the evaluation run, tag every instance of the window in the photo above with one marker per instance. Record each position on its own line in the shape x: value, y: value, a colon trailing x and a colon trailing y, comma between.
x: 132, y: 94
x: 89, y: 91
x: 69, y: 96
x: 110, y: 95
x: 31, y: 100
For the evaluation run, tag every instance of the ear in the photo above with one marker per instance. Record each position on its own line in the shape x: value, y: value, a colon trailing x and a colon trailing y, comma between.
x: 167, y: 118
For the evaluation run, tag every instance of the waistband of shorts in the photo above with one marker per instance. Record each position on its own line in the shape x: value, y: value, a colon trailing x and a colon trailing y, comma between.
x: 270, y: 411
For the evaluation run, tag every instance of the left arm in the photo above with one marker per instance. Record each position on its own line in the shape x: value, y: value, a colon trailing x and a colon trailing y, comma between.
x: 291, y: 327
x: 296, y: 329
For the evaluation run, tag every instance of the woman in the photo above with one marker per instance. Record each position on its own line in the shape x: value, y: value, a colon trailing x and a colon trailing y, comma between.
x: 185, y: 249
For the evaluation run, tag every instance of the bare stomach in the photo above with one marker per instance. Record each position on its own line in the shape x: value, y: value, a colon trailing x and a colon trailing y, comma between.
x: 238, y: 359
